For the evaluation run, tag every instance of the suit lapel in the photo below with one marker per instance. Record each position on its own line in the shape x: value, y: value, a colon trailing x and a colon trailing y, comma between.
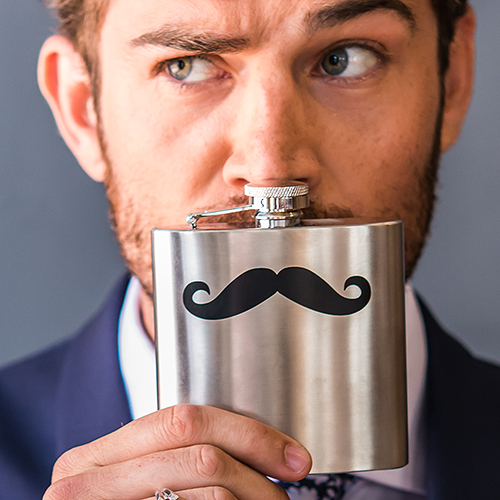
x: 463, y: 410
x: 91, y: 400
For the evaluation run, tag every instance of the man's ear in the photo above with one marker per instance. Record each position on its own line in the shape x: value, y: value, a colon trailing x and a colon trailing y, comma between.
x: 459, y: 79
x: 65, y: 84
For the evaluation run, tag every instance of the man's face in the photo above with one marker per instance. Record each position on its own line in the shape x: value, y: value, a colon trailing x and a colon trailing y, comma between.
x: 200, y: 97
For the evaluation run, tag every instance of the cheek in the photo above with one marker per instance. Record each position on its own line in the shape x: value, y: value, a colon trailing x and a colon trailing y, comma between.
x: 379, y: 150
x: 168, y: 151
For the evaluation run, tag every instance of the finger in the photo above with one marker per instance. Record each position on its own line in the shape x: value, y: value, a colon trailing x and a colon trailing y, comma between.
x: 254, y: 443
x: 208, y: 493
x: 191, y: 468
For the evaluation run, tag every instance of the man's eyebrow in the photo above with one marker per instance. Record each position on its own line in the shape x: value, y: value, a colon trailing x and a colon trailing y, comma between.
x: 192, y: 41
x: 330, y: 15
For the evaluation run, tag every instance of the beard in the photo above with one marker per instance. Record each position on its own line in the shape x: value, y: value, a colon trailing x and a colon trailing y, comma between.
x: 133, y: 229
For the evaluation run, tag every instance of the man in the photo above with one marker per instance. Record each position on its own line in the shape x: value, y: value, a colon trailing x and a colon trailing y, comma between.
x: 177, y: 103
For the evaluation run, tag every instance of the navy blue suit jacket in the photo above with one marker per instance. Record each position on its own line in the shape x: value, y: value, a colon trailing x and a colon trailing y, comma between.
x: 74, y: 393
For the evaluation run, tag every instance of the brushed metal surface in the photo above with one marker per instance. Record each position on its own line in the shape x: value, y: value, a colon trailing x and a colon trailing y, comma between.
x: 335, y: 383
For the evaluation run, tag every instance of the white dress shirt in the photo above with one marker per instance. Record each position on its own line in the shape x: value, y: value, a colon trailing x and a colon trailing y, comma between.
x: 138, y: 367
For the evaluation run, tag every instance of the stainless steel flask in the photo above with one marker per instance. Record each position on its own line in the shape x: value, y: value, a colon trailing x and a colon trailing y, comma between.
x: 297, y: 323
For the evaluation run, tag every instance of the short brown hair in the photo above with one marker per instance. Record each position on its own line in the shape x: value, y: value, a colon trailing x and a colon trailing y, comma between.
x: 81, y: 20
x: 447, y: 13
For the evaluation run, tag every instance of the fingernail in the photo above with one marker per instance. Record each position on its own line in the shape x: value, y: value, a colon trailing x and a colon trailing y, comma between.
x: 297, y: 458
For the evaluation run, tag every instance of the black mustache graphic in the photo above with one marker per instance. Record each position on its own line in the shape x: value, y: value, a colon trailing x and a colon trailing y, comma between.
x: 296, y: 283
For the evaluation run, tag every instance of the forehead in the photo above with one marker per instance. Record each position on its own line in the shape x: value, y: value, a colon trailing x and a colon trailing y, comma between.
x: 251, y: 16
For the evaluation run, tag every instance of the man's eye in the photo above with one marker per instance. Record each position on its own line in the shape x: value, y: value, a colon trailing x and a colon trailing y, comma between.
x: 192, y: 69
x: 348, y: 62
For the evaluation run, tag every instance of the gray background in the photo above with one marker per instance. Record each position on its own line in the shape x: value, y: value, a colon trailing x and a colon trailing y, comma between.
x: 59, y: 258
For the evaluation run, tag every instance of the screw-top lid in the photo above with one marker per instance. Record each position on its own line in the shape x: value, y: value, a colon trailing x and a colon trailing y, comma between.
x: 283, y: 190
x: 278, y: 203
x: 278, y: 196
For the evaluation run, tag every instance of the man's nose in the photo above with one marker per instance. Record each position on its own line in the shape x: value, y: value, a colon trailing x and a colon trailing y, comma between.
x: 274, y: 133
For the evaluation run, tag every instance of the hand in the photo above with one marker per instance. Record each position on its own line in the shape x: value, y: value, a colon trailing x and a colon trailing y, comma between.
x: 199, y: 452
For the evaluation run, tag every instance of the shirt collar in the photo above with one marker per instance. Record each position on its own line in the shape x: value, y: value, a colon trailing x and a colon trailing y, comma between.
x: 137, y: 363
x: 137, y: 355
